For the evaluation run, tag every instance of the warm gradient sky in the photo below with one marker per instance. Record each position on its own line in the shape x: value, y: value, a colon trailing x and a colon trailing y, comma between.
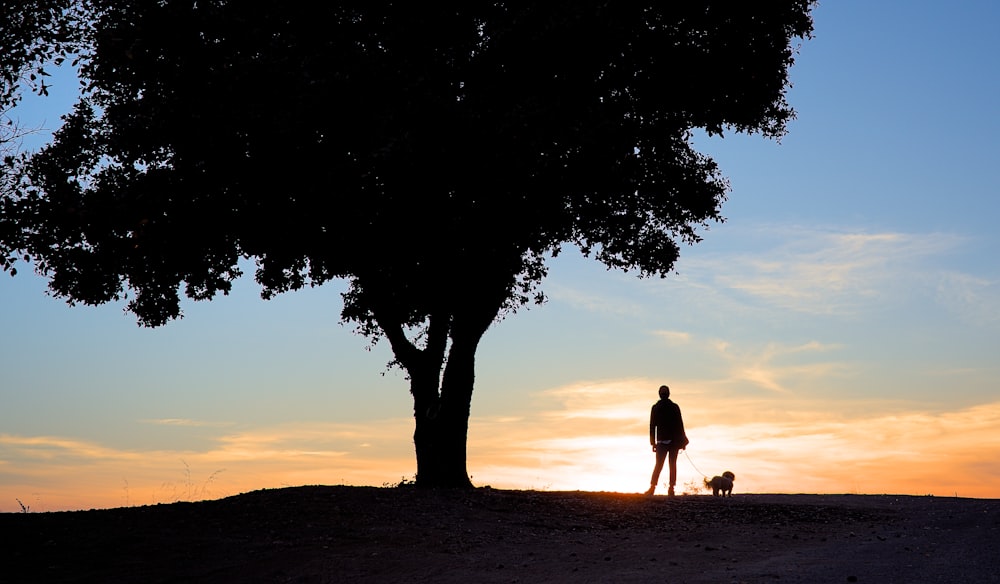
x: 838, y: 334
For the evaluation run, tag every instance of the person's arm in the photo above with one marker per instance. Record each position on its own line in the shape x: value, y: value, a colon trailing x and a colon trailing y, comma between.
x: 652, y: 426
x: 680, y: 425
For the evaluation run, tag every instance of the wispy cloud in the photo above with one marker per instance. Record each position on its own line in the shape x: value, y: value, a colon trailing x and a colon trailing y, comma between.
x: 184, y: 422
x: 772, y: 366
x: 34, y: 449
x: 71, y: 473
x: 816, y: 271
x: 615, y: 399
x: 976, y: 300
x: 673, y: 338
x: 590, y: 301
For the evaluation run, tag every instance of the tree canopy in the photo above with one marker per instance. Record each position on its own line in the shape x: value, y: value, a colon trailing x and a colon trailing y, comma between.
x: 432, y: 156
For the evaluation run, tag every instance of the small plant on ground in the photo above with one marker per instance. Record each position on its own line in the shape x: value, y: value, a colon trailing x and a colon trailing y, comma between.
x: 190, y: 490
x: 403, y: 482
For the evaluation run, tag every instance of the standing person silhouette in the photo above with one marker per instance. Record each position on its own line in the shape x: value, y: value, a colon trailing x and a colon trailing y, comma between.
x: 667, y: 437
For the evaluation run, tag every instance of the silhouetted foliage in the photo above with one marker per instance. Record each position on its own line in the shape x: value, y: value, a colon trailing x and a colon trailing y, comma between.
x: 433, y: 156
x: 34, y: 35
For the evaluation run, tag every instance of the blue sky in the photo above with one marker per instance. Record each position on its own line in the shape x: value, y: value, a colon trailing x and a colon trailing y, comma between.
x: 837, y: 334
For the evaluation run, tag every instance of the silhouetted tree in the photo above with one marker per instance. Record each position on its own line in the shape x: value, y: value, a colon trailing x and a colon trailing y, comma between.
x: 432, y: 155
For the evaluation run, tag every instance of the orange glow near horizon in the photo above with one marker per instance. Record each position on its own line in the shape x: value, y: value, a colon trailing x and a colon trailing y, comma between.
x: 585, y: 437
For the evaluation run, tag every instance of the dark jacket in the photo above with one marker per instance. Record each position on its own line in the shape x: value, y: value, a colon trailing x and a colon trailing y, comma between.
x: 665, y: 423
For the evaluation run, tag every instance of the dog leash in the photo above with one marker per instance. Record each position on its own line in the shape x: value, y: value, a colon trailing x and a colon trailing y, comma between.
x: 692, y: 464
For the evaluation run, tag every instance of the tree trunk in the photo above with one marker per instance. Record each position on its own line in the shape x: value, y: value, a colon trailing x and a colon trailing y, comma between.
x: 442, y: 403
x: 440, y: 433
x: 442, y: 430
x: 442, y: 425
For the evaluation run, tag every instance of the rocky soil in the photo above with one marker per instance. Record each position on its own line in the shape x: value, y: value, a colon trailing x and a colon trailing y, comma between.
x: 327, y: 534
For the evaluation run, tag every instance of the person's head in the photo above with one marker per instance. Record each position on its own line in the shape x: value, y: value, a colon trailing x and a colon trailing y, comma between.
x: 664, y: 392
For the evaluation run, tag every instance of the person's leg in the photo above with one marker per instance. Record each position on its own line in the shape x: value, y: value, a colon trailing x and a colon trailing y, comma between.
x: 661, y: 455
x: 673, y: 470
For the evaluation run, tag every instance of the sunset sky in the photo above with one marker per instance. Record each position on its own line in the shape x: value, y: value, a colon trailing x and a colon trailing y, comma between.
x: 838, y: 334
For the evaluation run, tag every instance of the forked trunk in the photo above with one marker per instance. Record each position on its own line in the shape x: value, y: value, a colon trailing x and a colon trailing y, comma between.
x: 442, y: 420
x: 442, y: 401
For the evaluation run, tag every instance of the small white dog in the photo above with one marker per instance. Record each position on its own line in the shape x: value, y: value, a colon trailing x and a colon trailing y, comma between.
x: 723, y: 484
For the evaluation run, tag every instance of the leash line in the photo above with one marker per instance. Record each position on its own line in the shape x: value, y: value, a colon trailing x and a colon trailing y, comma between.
x: 692, y: 464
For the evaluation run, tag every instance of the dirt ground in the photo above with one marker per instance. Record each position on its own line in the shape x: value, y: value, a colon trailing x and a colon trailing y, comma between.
x: 327, y: 534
